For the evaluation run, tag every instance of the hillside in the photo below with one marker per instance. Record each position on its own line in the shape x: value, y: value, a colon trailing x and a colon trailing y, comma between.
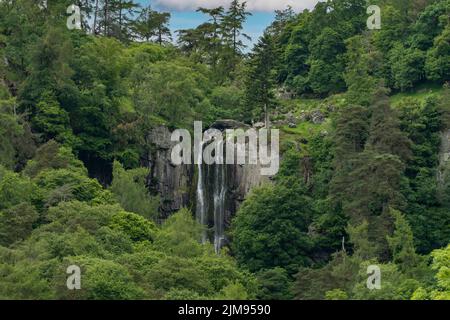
x: 88, y: 180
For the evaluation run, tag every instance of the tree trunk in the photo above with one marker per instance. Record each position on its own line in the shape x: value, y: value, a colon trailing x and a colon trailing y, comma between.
x: 266, y: 112
x: 160, y: 36
x: 234, y: 41
x: 120, y: 19
x: 106, y: 18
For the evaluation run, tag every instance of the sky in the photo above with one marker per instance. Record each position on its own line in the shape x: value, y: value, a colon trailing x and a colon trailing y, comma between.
x: 184, y: 15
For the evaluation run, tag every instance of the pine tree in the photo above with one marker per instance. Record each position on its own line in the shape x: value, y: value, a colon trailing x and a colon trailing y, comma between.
x: 351, y: 132
x: 114, y: 18
x: 211, y: 33
x: 153, y: 24
x: 385, y: 133
x: 401, y: 244
x: 260, y: 82
x: 233, y: 24
x: 362, y: 70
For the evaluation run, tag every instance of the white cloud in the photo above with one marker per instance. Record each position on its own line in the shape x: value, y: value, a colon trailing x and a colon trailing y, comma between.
x: 253, y: 5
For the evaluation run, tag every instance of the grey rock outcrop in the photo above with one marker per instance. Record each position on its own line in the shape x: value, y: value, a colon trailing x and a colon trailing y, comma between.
x: 317, y: 117
x: 172, y: 183
x: 229, y: 124
x: 176, y: 185
x: 259, y: 125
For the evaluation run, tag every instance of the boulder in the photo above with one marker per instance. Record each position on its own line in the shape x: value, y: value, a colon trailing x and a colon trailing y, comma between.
x: 229, y: 124
x: 259, y: 125
x: 317, y: 117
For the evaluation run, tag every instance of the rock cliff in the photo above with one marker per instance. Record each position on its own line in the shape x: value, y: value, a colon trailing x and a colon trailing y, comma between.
x: 176, y: 185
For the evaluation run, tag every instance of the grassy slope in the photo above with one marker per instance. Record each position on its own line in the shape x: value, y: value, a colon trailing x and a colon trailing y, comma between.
x: 305, y: 130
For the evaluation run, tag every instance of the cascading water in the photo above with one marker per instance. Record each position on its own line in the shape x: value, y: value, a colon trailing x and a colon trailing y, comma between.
x: 219, y: 202
x: 201, y: 210
x: 218, y: 173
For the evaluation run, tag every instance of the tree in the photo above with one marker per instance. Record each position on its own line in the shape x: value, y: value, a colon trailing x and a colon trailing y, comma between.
x: 368, y: 173
x: 16, y: 189
x: 393, y: 29
x: 17, y: 143
x: 423, y: 122
x: 52, y: 120
x: 270, y: 230
x: 52, y: 155
x: 351, y: 132
x: 274, y: 284
x: 218, y: 42
x: 102, y: 280
x: 16, y: 223
x: 440, y: 263
x: 437, y: 65
x: 294, y: 66
x: 49, y: 72
x: 430, y: 24
x: 234, y: 291
x: 401, y: 245
x: 441, y: 288
x: 134, y: 226
x: 128, y: 187
x: 170, y: 90
x: 361, y: 75
x: 64, y: 185
x: 336, y: 294
x: 339, y: 274
x: 113, y: 18
x: 181, y: 235
x: 151, y: 24
x: 385, y: 133
x: 260, y: 82
x: 325, y: 78
x: 211, y: 34
x: 373, y: 185
x: 325, y: 75
x: 395, y: 285
x: 126, y: 9
x: 100, y: 69
x: 407, y: 66
x: 233, y: 22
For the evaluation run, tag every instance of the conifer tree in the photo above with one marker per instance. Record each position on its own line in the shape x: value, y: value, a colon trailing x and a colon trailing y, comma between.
x: 260, y: 82
x: 385, y: 133
x: 233, y: 22
x: 154, y: 25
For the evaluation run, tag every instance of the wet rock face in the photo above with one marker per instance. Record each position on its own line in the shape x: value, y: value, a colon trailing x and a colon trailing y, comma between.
x: 444, y: 155
x: 238, y: 181
x: 172, y: 183
x: 176, y: 185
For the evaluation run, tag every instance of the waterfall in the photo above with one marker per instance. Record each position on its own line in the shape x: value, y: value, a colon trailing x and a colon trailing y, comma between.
x: 219, y: 200
x: 219, y: 191
x: 201, y: 212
